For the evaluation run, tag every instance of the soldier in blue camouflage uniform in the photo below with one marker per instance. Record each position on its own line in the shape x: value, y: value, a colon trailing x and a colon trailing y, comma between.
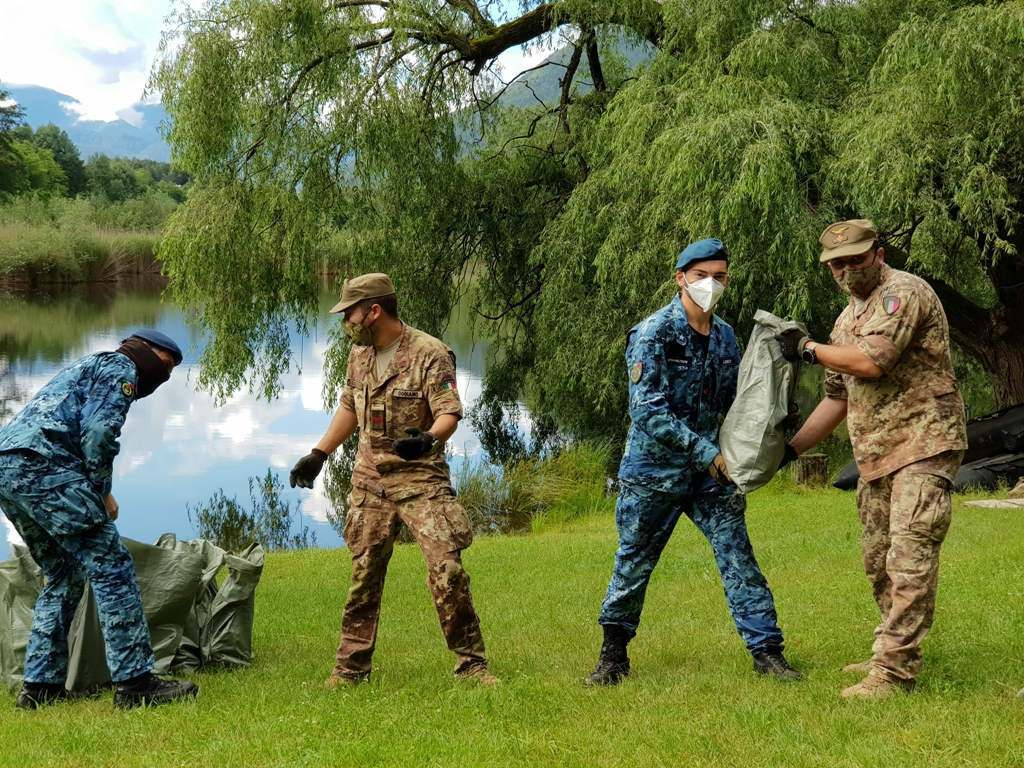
x: 56, y: 465
x: 683, y: 363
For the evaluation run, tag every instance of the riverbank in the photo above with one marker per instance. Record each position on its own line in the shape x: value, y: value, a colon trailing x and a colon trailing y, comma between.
x: 72, y: 241
x: 692, y: 698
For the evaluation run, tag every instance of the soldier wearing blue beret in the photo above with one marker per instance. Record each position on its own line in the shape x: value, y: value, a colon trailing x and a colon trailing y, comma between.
x: 56, y: 464
x: 682, y: 363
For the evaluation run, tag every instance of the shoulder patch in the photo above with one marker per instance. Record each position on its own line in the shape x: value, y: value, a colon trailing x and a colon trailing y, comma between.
x: 890, y: 304
x: 128, y: 389
x: 636, y: 371
x: 449, y: 384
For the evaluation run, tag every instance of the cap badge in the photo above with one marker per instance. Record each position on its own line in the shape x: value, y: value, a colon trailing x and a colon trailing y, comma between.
x: 840, y: 234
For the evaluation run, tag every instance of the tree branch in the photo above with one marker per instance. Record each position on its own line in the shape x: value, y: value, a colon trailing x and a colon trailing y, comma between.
x: 473, y: 11
x: 566, y: 83
x: 810, y: 22
x: 530, y: 26
x: 594, y: 61
x: 383, y: 40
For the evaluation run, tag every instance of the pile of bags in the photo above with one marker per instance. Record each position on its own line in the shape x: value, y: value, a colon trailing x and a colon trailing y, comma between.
x: 193, y: 622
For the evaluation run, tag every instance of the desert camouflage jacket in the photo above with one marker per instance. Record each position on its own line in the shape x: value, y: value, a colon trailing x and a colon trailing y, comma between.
x: 416, y: 388
x: 914, y: 410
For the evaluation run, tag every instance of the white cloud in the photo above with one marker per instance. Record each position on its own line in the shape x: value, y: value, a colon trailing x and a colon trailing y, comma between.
x: 101, y: 51
x: 12, y: 535
x: 98, y: 51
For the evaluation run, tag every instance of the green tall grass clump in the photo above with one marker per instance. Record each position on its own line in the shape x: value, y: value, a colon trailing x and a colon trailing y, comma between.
x: 538, y: 492
x: 67, y: 241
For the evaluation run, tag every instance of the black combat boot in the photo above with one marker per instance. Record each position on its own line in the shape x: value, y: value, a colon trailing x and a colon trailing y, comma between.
x: 613, y: 664
x: 774, y: 663
x: 147, y: 690
x: 35, y: 695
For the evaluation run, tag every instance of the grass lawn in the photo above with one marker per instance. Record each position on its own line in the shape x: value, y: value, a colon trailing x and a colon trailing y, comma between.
x: 692, y: 698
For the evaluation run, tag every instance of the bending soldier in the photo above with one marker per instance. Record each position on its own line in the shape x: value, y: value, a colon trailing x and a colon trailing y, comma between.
x: 56, y: 464
x: 890, y: 375
x: 400, y: 392
x: 683, y: 363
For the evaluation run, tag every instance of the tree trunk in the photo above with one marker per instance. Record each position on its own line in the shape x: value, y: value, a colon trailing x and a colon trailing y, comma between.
x: 812, y: 469
x: 994, y: 337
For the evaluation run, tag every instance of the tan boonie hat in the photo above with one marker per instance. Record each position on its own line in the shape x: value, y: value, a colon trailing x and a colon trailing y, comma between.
x: 371, y: 286
x: 847, y: 238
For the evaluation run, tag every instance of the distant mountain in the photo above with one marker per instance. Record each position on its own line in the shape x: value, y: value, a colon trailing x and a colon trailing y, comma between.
x: 543, y: 85
x: 117, y: 138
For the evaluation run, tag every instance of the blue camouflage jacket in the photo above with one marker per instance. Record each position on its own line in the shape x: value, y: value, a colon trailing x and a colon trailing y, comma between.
x: 678, y: 398
x: 75, y: 420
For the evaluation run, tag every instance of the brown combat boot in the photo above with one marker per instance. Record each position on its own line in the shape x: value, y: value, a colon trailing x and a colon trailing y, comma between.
x: 861, y: 668
x: 877, y: 688
x: 481, y: 674
x: 338, y: 680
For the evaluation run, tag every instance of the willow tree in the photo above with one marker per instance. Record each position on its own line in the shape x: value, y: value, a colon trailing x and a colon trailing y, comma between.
x: 757, y: 121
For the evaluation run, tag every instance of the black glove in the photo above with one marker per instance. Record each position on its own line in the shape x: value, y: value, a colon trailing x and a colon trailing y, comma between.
x: 792, y: 418
x: 414, y: 446
x: 789, y: 456
x: 307, y: 468
x: 792, y: 343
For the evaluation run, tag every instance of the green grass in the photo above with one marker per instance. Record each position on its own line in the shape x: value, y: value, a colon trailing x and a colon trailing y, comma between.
x: 692, y: 698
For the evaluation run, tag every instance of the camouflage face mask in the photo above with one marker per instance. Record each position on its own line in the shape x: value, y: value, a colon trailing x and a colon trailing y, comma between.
x: 357, y: 333
x: 859, y: 283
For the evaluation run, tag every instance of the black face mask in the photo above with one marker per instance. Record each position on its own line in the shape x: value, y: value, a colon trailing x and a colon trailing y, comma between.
x: 152, y: 370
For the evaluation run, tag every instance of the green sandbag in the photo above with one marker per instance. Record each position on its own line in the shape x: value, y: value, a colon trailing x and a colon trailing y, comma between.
x: 752, y: 437
x: 21, y: 581
x: 188, y: 657
x: 227, y: 633
x: 169, y: 580
x: 191, y: 622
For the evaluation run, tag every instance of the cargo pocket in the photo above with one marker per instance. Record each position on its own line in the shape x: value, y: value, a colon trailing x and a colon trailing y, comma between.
x: 933, y: 509
x: 355, y: 522
x: 451, y: 517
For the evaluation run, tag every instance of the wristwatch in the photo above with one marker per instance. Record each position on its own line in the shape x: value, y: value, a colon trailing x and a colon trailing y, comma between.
x: 432, y: 438
x: 807, y: 355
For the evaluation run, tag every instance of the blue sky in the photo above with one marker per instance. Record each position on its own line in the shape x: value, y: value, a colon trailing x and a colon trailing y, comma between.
x: 100, y: 51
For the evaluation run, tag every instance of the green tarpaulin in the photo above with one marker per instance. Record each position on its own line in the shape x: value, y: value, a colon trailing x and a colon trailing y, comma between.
x: 193, y: 622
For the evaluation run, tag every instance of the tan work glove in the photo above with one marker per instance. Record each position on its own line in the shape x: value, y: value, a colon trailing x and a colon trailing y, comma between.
x: 719, y: 472
x: 112, y: 507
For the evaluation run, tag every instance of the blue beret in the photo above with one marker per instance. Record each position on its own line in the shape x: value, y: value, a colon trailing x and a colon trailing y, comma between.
x: 702, y: 250
x: 161, y: 340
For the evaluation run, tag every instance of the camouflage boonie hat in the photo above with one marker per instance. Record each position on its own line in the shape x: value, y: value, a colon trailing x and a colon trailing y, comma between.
x: 847, y: 238
x: 371, y: 286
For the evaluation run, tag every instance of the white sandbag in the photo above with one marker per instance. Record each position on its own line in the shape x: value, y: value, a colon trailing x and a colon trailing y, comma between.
x: 751, y: 437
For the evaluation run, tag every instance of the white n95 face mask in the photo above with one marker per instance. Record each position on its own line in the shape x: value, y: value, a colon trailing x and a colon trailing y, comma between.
x: 705, y: 293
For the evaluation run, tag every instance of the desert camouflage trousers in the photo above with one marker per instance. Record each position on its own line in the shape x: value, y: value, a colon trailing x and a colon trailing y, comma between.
x: 442, y: 529
x: 72, y: 539
x: 906, y: 516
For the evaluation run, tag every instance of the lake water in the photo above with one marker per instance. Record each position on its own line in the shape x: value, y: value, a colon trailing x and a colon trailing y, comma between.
x: 177, y: 446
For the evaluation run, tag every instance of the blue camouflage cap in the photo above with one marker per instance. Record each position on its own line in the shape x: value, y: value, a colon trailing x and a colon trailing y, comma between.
x: 702, y: 250
x: 161, y: 340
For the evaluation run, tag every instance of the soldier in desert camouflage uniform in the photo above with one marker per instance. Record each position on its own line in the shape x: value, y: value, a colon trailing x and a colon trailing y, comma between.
x: 889, y: 373
x: 400, y: 392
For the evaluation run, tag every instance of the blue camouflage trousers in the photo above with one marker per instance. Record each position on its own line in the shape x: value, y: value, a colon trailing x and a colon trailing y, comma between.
x: 646, y: 518
x: 71, y: 537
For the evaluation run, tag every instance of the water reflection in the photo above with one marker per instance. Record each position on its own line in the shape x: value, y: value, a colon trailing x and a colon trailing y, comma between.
x: 177, y: 447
